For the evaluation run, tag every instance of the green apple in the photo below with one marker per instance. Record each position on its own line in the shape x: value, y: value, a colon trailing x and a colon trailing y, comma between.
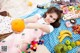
x: 65, y: 48
x: 69, y: 47
x: 73, y: 44
x: 67, y: 42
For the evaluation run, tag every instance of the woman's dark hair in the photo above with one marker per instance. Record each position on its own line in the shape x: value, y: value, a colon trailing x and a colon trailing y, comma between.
x: 58, y: 12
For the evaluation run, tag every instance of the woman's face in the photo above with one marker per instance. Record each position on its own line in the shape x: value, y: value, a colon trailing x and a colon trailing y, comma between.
x: 51, y: 17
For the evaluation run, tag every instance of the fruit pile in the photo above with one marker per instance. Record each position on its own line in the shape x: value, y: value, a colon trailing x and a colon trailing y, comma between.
x: 76, y: 29
x: 64, y: 48
x: 70, y: 45
x: 34, y: 44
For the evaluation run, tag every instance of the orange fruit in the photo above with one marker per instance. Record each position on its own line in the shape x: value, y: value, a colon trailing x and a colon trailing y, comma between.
x: 18, y: 25
x: 78, y: 43
x: 29, y: 3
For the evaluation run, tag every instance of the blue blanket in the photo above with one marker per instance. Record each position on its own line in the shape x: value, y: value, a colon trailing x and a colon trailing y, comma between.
x: 50, y: 40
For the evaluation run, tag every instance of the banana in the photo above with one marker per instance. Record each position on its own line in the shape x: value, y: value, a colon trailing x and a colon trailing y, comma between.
x: 63, y: 34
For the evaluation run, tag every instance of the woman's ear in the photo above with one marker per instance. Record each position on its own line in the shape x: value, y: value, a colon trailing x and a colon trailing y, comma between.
x: 46, y: 13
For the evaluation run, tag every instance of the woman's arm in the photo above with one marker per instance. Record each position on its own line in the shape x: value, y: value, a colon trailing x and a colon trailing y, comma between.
x: 32, y: 19
x: 43, y: 27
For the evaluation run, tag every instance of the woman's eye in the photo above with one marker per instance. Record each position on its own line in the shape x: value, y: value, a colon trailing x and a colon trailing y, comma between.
x: 54, y: 19
x: 51, y: 16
